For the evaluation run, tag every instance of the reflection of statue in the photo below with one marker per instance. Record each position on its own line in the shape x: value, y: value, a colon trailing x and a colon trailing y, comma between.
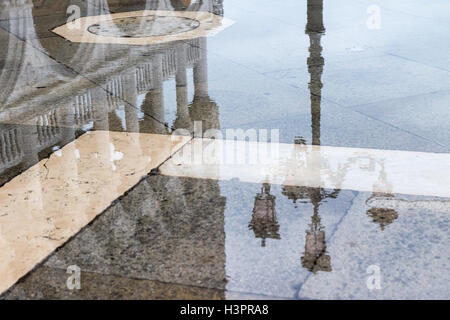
x: 264, y: 218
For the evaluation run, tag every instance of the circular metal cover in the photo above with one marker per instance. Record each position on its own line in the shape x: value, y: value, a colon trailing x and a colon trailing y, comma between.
x: 143, y: 26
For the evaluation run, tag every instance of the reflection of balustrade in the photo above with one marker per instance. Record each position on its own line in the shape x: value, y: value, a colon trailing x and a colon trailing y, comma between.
x: 169, y: 65
x: 193, y: 52
x: 83, y: 109
x: 144, y: 78
x: 115, y: 92
x: 11, y: 153
x: 48, y: 131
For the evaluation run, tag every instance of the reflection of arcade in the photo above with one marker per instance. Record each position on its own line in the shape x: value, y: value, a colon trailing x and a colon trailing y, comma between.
x: 130, y: 74
x: 264, y: 218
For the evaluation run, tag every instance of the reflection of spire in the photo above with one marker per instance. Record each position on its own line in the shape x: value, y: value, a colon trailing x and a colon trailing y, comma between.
x: 264, y: 220
x: 183, y: 120
x: 315, y: 30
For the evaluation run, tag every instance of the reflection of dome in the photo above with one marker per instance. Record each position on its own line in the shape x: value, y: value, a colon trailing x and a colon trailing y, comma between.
x: 382, y: 216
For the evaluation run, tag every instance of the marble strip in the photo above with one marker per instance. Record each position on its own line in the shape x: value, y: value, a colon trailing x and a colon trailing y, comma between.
x: 373, y: 170
x: 78, y: 30
x: 46, y: 205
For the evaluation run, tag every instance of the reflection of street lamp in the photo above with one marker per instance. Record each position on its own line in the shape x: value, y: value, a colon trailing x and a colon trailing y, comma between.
x: 382, y: 216
x: 264, y: 220
x: 315, y: 258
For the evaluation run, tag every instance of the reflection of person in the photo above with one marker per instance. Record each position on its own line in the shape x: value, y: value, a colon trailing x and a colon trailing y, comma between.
x: 264, y: 218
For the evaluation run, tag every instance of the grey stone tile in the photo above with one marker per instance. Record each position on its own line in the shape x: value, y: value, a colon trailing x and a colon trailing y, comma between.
x: 362, y: 81
x: 153, y: 233
x: 342, y: 127
x: 51, y: 284
x: 196, y: 232
x: 426, y: 115
x: 406, y: 237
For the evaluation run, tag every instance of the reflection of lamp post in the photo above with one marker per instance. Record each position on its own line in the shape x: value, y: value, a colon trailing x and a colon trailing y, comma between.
x: 382, y: 216
x: 315, y: 258
x: 264, y: 219
x: 315, y: 30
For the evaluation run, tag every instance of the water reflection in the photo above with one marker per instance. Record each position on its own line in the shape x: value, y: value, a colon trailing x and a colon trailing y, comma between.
x: 170, y: 229
x: 65, y: 105
x: 264, y: 217
x: 314, y: 258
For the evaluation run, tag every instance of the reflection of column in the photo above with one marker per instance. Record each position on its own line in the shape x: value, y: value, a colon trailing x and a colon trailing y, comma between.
x: 29, y: 145
x: 201, y: 71
x: 154, y: 101
x: 264, y: 218
x: 130, y: 96
x: 203, y: 108
x: 101, y: 108
x: 183, y: 120
x: 315, y: 30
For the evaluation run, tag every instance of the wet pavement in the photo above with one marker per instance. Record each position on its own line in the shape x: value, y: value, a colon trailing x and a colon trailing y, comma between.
x: 118, y: 159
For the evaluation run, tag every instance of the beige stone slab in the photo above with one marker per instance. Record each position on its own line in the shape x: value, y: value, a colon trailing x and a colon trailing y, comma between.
x: 77, y: 30
x: 386, y: 171
x: 50, y: 202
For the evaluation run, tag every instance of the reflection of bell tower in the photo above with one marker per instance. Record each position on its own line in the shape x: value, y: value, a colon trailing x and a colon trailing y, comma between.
x: 264, y: 218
